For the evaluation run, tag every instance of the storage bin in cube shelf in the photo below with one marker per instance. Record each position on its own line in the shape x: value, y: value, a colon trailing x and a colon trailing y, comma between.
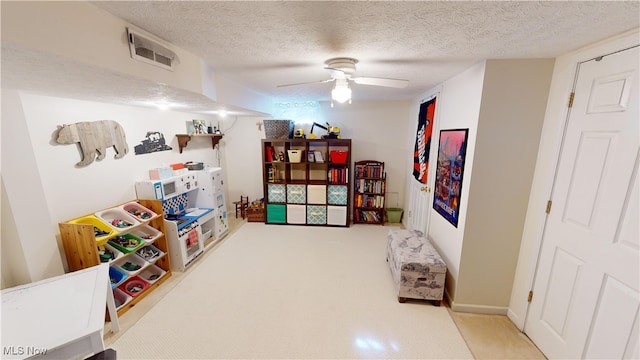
x: 295, y: 155
x: 152, y: 274
x: 131, y: 265
x: 338, y: 156
x: 146, y: 233
x: 108, y: 253
x: 121, y: 298
x: 139, y: 212
x: 126, y: 243
x: 116, y: 276
x: 117, y: 219
x: 134, y: 286
x: 101, y: 230
x: 150, y: 253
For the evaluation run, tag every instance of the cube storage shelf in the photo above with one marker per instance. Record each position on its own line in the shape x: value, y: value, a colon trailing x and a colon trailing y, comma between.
x: 306, y: 181
x: 147, y: 264
x: 369, y: 192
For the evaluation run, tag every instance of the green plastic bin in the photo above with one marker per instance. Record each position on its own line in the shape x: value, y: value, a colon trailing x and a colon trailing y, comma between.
x: 394, y: 215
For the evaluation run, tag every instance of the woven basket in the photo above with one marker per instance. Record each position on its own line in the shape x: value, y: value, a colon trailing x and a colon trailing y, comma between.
x: 278, y: 129
x: 255, y: 215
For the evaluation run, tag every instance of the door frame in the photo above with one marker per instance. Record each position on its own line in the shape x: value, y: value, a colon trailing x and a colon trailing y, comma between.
x: 556, y: 117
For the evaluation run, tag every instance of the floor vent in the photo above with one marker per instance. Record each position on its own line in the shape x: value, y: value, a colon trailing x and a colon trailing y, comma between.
x: 144, y: 49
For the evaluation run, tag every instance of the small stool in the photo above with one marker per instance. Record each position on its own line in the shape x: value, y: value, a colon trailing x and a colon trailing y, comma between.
x: 241, y: 206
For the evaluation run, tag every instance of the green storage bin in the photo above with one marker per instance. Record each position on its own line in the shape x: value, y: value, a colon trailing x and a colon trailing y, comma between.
x: 394, y: 215
x: 276, y: 213
x: 126, y: 243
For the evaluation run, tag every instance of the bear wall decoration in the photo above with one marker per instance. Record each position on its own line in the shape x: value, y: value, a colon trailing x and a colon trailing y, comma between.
x: 94, y: 137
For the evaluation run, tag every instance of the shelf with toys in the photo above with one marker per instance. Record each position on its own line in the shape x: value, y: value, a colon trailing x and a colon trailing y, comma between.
x: 306, y: 181
x: 130, y: 237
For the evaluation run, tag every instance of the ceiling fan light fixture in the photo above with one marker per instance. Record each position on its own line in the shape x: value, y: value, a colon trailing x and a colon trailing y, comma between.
x: 341, y: 91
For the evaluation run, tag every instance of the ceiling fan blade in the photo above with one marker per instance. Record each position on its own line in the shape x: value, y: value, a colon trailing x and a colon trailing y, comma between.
x: 306, y: 83
x: 396, y: 83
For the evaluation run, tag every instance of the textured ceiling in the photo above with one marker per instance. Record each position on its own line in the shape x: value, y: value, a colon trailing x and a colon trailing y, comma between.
x: 263, y: 44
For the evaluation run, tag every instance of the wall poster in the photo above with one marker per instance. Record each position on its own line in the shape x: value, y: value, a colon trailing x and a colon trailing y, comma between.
x: 451, y: 155
x: 423, y: 140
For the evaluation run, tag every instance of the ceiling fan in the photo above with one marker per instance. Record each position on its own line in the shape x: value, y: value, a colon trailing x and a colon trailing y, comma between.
x: 341, y: 70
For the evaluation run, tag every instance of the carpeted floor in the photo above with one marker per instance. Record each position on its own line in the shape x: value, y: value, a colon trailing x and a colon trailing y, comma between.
x: 292, y: 292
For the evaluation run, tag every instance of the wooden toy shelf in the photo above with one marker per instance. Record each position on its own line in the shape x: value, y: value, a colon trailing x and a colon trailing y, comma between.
x: 81, y: 247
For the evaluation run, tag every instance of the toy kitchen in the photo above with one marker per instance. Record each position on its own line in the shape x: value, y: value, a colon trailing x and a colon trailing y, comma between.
x: 195, y: 212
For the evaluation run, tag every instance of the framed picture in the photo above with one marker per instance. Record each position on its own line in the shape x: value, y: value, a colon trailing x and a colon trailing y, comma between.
x: 311, y: 156
x: 199, y: 127
x: 449, y: 173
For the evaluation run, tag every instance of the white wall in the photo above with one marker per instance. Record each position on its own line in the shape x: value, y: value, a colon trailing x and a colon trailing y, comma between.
x: 514, y: 97
x: 458, y: 107
x: 243, y: 158
x: 378, y: 131
x: 502, y: 103
x: 551, y: 137
x: 44, y: 187
x: 39, y: 171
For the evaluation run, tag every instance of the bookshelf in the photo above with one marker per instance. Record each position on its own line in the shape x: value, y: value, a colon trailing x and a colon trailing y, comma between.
x: 369, y: 192
x: 306, y: 181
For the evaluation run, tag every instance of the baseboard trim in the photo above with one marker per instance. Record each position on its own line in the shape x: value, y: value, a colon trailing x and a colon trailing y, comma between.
x: 479, y: 309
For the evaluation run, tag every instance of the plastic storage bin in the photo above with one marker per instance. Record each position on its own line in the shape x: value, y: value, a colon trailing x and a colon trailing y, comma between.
x: 152, y: 274
x: 102, y: 231
x: 139, y: 212
x: 121, y: 298
x: 150, y: 253
x: 146, y: 233
x: 134, y: 286
x: 126, y: 243
x: 116, y: 276
x: 131, y: 265
x: 108, y: 253
x: 339, y: 156
x: 117, y: 219
x: 394, y: 215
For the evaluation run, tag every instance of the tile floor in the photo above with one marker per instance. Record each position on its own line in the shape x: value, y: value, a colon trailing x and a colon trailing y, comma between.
x: 487, y: 336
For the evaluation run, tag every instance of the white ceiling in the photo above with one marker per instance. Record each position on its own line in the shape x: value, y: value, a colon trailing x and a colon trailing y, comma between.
x: 263, y: 44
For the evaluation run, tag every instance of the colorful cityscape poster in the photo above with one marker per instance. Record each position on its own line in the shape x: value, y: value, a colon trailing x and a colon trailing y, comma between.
x: 451, y: 154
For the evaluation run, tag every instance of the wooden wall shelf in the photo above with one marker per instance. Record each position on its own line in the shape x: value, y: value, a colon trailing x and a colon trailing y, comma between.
x: 183, y: 139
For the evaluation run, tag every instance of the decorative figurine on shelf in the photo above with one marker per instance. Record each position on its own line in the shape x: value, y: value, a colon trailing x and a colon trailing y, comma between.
x: 199, y: 127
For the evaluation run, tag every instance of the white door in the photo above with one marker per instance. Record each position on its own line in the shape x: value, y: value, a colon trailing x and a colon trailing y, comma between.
x: 585, y: 295
x: 420, y: 195
x: 419, y: 200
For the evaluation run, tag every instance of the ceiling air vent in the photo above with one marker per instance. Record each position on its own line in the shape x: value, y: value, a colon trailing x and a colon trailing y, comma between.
x: 144, y: 49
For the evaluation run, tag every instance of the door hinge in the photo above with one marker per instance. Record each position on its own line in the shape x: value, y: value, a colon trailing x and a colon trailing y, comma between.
x: 571, y: 96
x: 549, y: 203
x: 530, y: 296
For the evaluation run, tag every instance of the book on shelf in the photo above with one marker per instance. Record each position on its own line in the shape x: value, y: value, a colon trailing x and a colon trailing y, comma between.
x: 269, y: 153
x: 318, y: 156
x: 370, y: 171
